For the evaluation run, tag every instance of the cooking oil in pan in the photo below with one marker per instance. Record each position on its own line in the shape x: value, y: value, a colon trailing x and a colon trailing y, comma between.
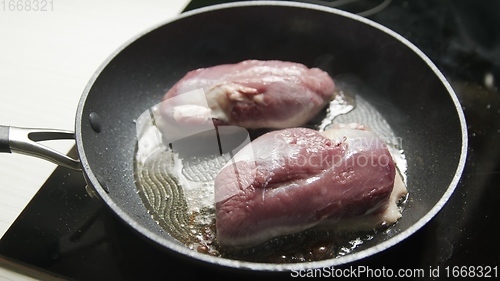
x: 178, y: 191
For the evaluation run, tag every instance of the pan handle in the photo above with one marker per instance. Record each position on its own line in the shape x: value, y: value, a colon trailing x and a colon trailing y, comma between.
x: 25, y: 141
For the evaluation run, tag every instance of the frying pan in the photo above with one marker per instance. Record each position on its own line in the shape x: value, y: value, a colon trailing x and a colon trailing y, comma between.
x: 403, y: 84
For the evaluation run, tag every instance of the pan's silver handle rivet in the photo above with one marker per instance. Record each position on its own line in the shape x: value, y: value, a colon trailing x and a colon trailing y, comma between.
x: 91, y: 192
x: 95, y: 122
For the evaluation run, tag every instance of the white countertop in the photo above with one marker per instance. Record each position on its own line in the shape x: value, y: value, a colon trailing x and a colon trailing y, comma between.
x: 46, y: 59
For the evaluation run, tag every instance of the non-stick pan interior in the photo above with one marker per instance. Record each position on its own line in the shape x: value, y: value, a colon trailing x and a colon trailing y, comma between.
x: 405, y: 89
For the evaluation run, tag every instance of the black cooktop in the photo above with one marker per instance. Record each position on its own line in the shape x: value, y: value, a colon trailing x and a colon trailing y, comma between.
x: 64, y: 233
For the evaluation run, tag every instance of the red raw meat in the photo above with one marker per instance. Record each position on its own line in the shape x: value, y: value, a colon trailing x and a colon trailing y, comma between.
x: 255, y: 94
x: 289, y: 180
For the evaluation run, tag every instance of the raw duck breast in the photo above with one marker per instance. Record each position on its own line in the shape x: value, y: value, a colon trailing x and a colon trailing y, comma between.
x: 254, y: 94
x: 287, y: 181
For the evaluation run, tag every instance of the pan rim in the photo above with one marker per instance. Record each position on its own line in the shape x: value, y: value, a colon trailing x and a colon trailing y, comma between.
x: 92, y: 179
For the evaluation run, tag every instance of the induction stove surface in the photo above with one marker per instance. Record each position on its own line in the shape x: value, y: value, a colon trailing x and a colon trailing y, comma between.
x: 64, y: 233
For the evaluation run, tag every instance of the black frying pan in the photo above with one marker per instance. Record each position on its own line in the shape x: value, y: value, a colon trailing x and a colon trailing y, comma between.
x: 407, y: 90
